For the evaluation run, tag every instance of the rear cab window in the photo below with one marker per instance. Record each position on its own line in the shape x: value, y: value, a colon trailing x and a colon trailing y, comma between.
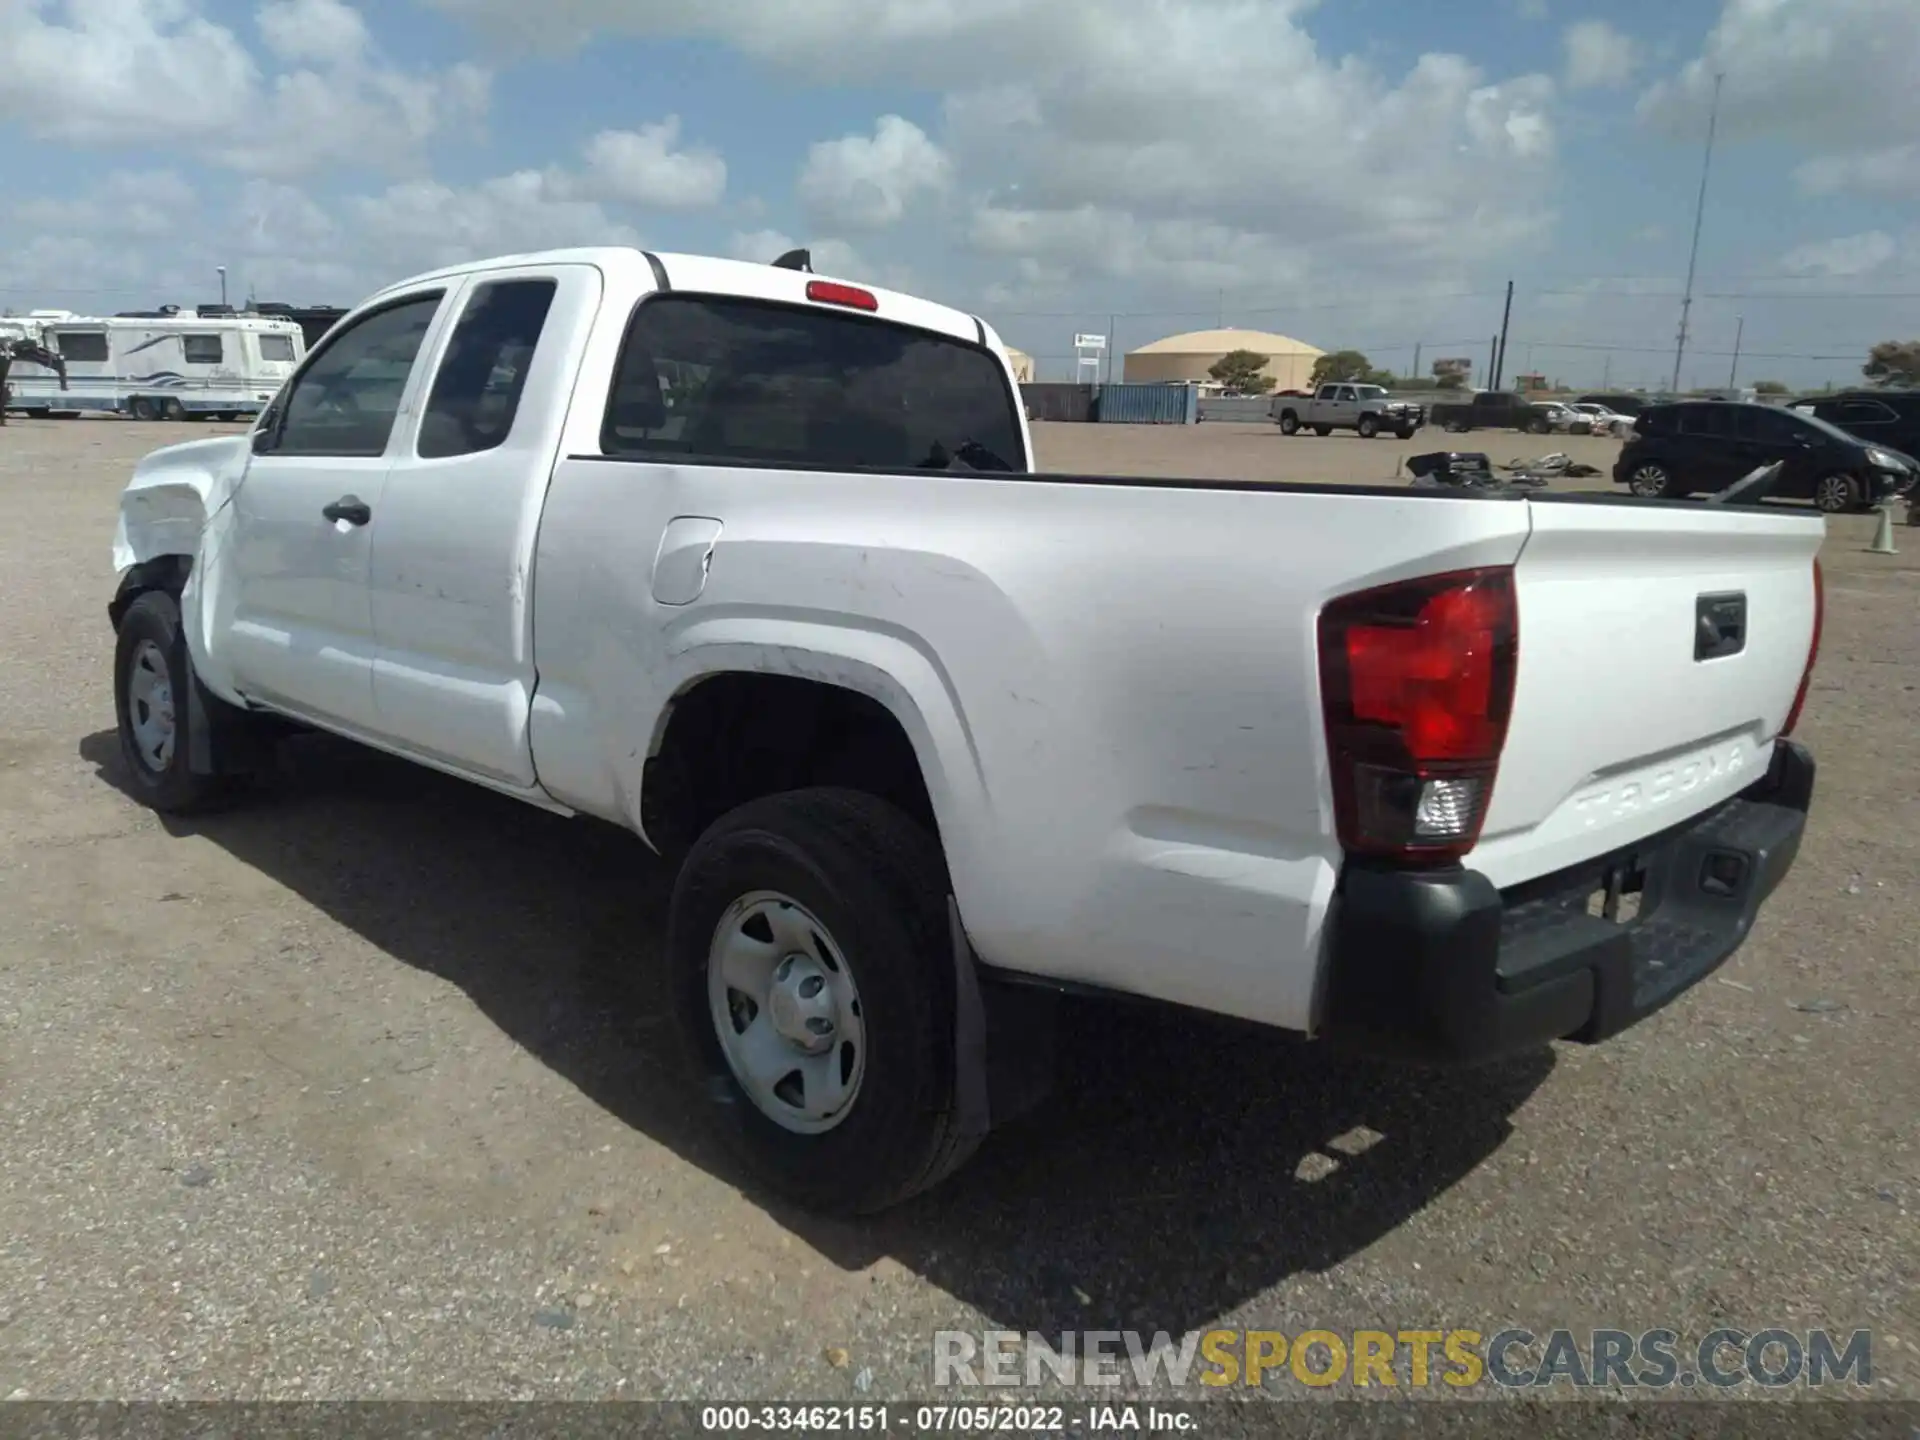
x: 715, y: 379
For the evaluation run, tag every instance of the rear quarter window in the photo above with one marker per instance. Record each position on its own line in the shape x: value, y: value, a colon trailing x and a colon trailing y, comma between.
x: 720, y: 380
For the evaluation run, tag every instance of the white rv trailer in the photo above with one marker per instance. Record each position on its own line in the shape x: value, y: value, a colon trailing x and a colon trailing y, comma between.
x: 163, y: 367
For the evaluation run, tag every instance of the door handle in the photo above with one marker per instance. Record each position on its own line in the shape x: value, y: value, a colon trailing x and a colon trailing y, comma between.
x: 350, y: 508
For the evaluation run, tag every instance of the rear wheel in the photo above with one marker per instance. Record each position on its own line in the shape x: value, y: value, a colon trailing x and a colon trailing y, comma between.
x: 1289, y: 424
x: 1650, y: 481
x: 172, y: 409
x: 142, y: 408
x: 1837, y: 494
x: 814, y: 995
x: 1368, y: 427
x: 1405, y: 432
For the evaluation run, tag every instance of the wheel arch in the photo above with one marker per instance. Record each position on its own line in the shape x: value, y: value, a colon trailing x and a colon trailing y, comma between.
x: 746, y: 720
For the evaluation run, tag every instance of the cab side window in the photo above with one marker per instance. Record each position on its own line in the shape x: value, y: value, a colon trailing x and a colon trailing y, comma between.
x: 345, y: 401
x: 477, y: 392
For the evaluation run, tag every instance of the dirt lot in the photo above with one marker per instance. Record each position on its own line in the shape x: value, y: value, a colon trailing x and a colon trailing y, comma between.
x: 359, y: 1091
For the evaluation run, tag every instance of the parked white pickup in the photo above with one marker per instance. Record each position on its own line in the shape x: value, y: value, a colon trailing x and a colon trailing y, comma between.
x: 1364, y: 409
x: 754, y: 564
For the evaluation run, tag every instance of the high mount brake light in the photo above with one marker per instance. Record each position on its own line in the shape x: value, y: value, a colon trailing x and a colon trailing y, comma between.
x: 1416, y: 680
x: 828, y: 293
x: 1813, y: 650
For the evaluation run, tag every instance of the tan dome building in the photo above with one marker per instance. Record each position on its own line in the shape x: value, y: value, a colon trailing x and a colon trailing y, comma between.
x: 1022, y: 364
x: 1188, y: 357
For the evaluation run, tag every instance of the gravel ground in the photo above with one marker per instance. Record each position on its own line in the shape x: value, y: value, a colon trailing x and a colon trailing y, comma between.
x: 359, y: 1091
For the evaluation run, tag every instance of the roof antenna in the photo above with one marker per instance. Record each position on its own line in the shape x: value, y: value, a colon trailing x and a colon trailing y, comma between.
x: 795, y: 260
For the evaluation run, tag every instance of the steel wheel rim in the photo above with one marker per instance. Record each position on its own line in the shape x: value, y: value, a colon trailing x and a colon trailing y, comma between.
x: 150, y: 707
x: 1649, y: 480
x: 1834, y: 493
x: 786, y: 1012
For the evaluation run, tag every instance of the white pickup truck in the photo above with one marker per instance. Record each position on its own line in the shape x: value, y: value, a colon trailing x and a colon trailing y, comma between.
x: 1364, y: 409
x: 755, y: 564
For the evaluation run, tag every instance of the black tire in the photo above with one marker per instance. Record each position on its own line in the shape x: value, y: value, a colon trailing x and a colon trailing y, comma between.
x: 1404, y: 433
x: 1289, y: 424
x: 1651, y: 481
x: 1368, y: 427
x: 1537, y: 426
x: 877, y: 882
x: 170, y: 786
x: 172, y: 410
x: 142, y: 408
x: 1323, y: 429
x: 1837, y: 494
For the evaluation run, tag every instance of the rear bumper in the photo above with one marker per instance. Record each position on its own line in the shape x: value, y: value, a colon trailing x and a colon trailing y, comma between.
x: 1442, y: 968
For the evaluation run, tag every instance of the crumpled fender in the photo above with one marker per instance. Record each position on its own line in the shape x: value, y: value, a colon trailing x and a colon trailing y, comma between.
x: 165, y: 508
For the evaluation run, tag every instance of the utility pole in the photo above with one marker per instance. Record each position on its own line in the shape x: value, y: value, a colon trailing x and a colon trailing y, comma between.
x: 1493, y: 359
x: 1110, y: 320
x: 1699, y: 215
x: 1416, y: 358
x: 1739, y: 331
x: 1500, y: 358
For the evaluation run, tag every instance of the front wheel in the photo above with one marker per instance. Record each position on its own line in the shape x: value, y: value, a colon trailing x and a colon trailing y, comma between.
x: 1368, y: 427
x: 1537, y: 427
x: 152, y: 678
x: 1650, y: 481
x: 1837, y: 494
x: 813, y: 981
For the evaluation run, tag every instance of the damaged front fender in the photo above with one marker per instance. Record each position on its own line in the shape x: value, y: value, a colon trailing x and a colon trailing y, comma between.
x: 165, y: 508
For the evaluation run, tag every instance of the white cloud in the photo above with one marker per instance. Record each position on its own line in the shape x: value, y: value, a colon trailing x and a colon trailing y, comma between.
x: 1844, y: 255
x: 324, y: 31
x: 423, y: 224
x: 1599, y: 56
x: 1217, y: 113
x: 866, y: 182
x: 118, y: 73
x: 1834, y: 77
x: 643, y: 167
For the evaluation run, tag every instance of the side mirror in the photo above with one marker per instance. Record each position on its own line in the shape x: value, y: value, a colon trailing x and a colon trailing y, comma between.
x: 262, y: 438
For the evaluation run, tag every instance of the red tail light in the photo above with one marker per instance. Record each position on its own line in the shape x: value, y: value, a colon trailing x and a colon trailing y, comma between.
x: 1416, y: 680
x: 1813, y: 650
x: 828, y: 293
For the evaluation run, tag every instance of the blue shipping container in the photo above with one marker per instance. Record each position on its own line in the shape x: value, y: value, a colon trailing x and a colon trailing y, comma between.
x: 1149, y: 404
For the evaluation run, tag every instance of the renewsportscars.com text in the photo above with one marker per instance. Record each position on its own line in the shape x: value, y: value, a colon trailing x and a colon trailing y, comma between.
x: 1657, y: 1359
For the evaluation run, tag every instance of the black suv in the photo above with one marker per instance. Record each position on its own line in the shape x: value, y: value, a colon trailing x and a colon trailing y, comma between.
x: 1703, y: 445
x: 1888, y: 418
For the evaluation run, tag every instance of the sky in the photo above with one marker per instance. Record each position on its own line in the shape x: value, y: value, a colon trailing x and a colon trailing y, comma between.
x: 1355, y: 173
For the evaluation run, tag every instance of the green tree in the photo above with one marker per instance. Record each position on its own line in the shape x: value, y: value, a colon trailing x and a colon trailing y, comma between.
x: 1239, y: 371
x: 1769, y: 387
x: 1894, y: 363
x: 1343, y: 365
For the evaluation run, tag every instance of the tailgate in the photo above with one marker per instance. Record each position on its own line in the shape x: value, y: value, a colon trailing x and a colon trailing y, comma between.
x: 1625, y: 721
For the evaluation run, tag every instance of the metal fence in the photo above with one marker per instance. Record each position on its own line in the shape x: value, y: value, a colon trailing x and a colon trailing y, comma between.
x: 1244, y: 409
x: 1053, y: 401
x: 1148, y: 404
